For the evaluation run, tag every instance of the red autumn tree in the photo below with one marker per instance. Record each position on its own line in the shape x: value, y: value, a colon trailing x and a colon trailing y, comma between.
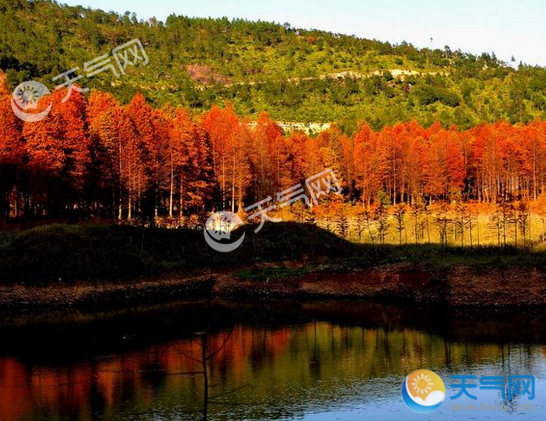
x: 73, y: 136
x: 117, y: 136
x: 11, y: 154
x: 153, y: 141
x: 266, y: 157
x: 223, y: 129
x: 190, y: 163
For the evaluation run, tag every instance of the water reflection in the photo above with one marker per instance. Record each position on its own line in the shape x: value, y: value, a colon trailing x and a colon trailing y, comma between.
x: 224, y: 361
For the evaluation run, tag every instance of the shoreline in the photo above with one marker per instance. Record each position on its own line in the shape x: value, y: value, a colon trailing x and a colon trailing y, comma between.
x: 453, y: 286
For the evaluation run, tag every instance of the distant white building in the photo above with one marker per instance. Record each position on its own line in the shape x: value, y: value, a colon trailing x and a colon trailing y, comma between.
x: 293, y: 126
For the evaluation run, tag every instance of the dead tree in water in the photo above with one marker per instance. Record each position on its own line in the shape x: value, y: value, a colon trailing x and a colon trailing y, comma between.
x: 204, y: 360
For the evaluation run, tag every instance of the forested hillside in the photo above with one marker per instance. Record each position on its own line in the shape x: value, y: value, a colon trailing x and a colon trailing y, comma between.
x: 418, y: 137
x: 294, y: 74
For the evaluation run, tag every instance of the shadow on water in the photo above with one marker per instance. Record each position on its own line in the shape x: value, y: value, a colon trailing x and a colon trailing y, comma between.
x: 63, y: 336
x: 228, y: 360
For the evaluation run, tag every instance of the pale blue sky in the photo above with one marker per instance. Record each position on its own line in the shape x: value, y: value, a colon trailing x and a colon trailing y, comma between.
x: 507, y: 27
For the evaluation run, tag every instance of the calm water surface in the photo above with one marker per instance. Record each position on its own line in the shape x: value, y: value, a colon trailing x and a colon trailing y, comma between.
x: 273, y: 361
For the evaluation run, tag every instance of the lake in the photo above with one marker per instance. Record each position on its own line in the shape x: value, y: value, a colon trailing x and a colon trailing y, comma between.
x: 274, y: 360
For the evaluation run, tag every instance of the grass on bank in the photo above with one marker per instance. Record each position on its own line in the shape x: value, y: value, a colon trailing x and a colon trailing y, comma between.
x: 269, y: 273
x: 69, y: 253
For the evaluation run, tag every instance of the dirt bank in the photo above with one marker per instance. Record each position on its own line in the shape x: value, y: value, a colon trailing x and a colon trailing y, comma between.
x: 453, y: 286
x: 103, y: 295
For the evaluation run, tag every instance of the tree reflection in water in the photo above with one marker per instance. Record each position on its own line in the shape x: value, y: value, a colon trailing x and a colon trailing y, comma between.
x: 255, y: 362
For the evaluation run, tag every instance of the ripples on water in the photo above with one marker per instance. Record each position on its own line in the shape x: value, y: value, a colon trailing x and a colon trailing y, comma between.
x: 279, y: 360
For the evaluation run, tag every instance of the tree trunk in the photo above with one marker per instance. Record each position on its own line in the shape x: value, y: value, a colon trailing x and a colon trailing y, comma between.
x: 171, y: 191
x: 181, y: 198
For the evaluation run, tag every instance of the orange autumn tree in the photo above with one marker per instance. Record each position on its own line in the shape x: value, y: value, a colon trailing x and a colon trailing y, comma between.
x: 74, y: 139
x: 222, y: 127
x: 46, y: 156
x: 415, y: 165
x: 101, y: 186
x: 11, y: 145
x: 152, y: 134
x: 117, y: 136
x: 331, y: 153
x: 266, y: 157
x: 389, y: 162
x: 12, y: 152
x: 242, y: 175
x: 190, y: 163
x: 533, y: 139
x: 94, y: 156
x: 295, y: 164
x: 448, y: 162
x: 366, y: 176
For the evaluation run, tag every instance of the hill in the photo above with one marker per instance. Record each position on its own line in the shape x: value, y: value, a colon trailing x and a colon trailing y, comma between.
x: 297, y: 75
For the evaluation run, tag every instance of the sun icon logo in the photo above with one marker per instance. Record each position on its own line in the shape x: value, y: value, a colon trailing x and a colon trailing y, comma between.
x: 422, y: 384
x: 218, y: 227
x: 221, y: 224
x: 26, y: 96
x: 423, y: 391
